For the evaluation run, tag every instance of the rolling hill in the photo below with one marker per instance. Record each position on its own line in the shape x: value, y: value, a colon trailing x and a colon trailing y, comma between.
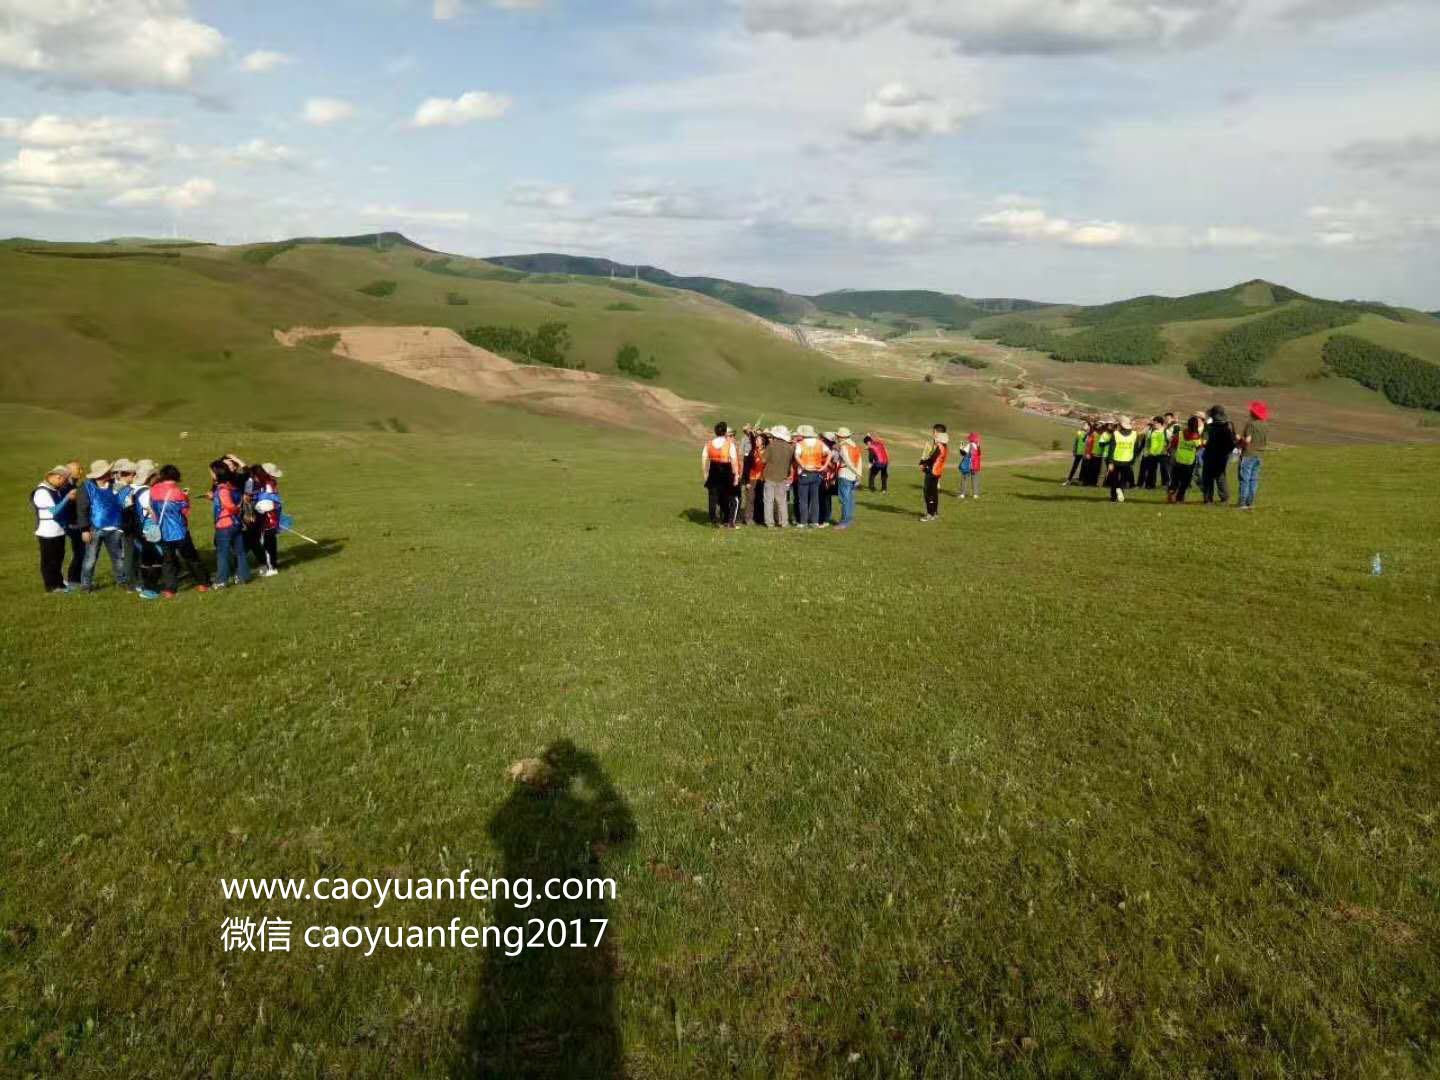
x: 896, y: 307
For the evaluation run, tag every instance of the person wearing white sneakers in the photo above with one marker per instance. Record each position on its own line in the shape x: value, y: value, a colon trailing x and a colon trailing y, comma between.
x: 1122, y: 460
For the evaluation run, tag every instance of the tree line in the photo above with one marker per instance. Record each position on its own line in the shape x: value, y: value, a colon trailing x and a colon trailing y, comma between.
x: 1235, y: 357
x: 1128, y: 345
x: 1401, y: 377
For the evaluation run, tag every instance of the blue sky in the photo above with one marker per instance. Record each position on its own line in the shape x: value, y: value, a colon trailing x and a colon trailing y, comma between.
x: 1054, y: 149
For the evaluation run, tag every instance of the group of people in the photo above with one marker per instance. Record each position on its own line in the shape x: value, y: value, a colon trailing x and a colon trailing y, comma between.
x: 769, y: 476
x: 1173, y: 455
x: 139, y: 515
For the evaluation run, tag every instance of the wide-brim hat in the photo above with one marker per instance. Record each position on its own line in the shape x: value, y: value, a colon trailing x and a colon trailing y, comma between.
x: 122, y: 465
x: 844, y: 433
x: 98, y: 468
x: 1259, y: 410
x: 828, y: 436
x: 273, y: 469
x: 805, y: 431
x: 780, y: 431
x: 145, y: 468
x: 942, y: 438
x: 58, y: 470
x: 1124, y: 422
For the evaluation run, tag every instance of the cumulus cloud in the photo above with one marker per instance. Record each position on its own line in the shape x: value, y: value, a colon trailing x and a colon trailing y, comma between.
x: 647, y: 201
x: 443, y: 10
x: 67, y: 167
x: 897, y: 111
x: 117, y: 44
x: 263, y: 60
x: 325, y: 111
x: 541, y: 196
x: 1047, y: 27
x: 120, y: 136
x: 893, y: 229
x: 1015, y: 224
x: 1234, y: 238
x: 192, y: 193
x: 259, y: 152
x: 457, y: 112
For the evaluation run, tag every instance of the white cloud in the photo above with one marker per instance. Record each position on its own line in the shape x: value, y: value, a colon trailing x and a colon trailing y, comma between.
x: 467, y: 108
x: 1048, y: 27
x: 1359, y: 209
x: 443, y: 10
x: 324, y: 111
x: 400, y: 215
x: 542, y: 196
x: 259, y: 152
x: 126, y: 137
x: 192, y: 193
x: 893, y: 229
x: 67, y: 168
x: 899, y: 111
x: 114, y: 44
x: 263, y: 60
x: 652, y: 201
x: 1015, y: 224
x: 1234, y: 237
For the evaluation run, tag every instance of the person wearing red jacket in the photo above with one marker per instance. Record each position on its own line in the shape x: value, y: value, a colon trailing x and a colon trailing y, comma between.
x: 227, y: 493
x: 170, y: 510
x: 879, y: 463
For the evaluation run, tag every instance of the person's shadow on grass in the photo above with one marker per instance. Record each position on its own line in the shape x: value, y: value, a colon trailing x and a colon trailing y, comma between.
x: 302, y: 551
x: 550, y: 1011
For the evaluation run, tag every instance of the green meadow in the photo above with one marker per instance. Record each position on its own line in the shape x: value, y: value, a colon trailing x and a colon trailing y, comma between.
x: 1048, y: 788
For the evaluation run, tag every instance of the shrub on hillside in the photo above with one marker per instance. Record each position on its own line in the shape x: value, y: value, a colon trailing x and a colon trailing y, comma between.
x: 1402, y: 378
x: 1234, y: 358
x: 454, y: 299
x: 844, y: 389
x: 548, y: 344
x: 974, y: 363
x: 379, y: 288
x: 628, y: 360
x: 263, y: 253
x: 623, y: 305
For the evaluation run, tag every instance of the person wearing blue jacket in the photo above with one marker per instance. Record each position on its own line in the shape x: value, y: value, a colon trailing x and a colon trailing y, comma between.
x: 99, y: 515
x: 170, y: 509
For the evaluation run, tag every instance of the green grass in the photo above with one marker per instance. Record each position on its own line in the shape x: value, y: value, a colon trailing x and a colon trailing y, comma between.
x: 1040, y: 804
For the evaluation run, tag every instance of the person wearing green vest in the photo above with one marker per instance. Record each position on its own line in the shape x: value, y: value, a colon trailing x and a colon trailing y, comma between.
x: 1082, y: 438
x: 1124, y: 445
x: 1152, y: 445
x: 1184, y: 452
x: 1172, y: 429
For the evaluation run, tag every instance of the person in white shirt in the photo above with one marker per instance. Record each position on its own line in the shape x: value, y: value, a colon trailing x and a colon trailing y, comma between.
x: 50, y: 532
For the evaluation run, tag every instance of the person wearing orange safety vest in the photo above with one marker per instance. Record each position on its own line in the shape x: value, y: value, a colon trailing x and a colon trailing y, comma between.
x: 719, y: 470
x: 1124, y: 445
x: 850, y: 460
x: 937, y: 453
x: 812, y: 457
x: 752, y: 511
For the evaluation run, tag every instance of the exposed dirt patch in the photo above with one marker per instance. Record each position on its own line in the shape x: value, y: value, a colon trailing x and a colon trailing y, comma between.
x: 1387, y: 928
x: 441, y: 357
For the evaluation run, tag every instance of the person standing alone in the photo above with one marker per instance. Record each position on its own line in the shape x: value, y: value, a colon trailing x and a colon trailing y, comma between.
x: 719, y: 469
x: 879, y: 463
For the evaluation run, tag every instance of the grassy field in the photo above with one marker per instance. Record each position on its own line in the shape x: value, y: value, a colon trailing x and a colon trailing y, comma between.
x: 1048, y: 788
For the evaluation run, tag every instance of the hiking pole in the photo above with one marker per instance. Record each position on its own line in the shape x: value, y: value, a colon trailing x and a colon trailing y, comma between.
x: 302, y: 536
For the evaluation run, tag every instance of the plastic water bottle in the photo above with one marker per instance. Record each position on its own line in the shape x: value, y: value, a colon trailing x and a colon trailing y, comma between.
x: 1376, y: 566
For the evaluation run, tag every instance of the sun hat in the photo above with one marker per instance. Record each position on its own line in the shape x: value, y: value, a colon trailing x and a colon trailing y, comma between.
x: 828, y: 436
x: 844, y: 433
x: 98, y: 468
x: 1259, y: 410
x: 780, y: 431
x: 805, y: 431
x: 1124, y: 422
x: 974, y: 436
x: 145, y: 468
x: 273, y: 469
x: 58, y: 470
x: 122, y: 465
x: 942, y: 438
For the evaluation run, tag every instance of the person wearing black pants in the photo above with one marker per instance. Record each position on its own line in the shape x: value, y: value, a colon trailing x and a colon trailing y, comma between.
x: 932, y: 495
x: 178, y: 551
x: 1219, y: 443
x: 52, y: 562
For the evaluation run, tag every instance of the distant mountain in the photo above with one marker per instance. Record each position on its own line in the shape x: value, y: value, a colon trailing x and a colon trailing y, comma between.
x: 774, y: 304
x: 777, y: 304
